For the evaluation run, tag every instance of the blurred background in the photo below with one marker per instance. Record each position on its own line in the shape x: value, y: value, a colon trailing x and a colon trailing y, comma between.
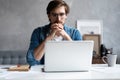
x: 18, y: 18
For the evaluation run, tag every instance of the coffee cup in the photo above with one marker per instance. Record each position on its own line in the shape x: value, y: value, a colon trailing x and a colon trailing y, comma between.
x: 110, y: 59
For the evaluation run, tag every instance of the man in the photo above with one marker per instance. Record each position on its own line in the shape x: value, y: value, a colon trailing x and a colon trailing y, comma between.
x: 57, y: 11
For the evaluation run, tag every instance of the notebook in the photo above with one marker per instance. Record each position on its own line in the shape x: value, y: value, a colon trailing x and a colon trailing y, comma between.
x: 62, y: 56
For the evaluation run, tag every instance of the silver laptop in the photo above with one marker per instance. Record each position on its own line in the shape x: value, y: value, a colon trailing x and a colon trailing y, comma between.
x: 68, y: 56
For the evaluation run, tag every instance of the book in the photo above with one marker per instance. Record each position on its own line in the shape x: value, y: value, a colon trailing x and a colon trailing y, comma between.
x: 19, y: 68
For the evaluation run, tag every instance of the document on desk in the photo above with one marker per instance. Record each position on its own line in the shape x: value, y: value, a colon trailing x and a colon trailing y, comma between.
x: 3, y: 73
x: 106, y: 69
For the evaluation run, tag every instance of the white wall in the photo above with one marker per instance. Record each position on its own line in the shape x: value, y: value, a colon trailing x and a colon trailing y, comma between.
x: 18, y: 18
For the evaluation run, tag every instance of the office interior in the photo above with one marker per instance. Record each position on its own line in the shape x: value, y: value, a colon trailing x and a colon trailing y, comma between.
x: 18, y: 19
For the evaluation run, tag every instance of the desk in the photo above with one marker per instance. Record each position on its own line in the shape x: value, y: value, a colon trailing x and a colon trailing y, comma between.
x: 98, y: 71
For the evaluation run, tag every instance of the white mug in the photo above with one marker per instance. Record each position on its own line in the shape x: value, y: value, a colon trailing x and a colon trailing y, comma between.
x: 111, y: 59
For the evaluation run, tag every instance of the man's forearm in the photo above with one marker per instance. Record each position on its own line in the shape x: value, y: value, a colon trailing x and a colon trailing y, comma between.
x: 67, y: 37
x: 39, y: 51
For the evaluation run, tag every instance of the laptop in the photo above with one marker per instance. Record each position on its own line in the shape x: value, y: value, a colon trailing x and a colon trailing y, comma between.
x: 68, y: 56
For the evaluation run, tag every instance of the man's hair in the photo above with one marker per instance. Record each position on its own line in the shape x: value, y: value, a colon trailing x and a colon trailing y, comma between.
x: 56, y: 4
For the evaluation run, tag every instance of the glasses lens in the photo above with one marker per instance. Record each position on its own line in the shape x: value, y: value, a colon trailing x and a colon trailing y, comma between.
x: 62, y: 14
x: 56, y: 15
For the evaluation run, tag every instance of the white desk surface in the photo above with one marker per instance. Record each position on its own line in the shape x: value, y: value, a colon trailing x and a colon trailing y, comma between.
x: 98, y: 71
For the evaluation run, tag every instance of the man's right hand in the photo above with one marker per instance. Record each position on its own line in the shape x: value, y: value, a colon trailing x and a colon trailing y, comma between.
x: 56, y: 28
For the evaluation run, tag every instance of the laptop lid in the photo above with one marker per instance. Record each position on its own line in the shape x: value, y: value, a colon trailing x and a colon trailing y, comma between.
x: 68, y: 55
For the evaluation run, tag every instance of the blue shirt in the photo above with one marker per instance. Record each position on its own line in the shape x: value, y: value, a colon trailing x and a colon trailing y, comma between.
x: 39, y: 34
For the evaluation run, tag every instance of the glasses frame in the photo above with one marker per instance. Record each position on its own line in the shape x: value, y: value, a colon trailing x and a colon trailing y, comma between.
x: 58, y: 14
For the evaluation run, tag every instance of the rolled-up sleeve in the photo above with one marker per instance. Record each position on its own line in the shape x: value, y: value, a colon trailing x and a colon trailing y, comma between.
x: 33, y: 44
x: 77, y: 35
x: 30, y: 58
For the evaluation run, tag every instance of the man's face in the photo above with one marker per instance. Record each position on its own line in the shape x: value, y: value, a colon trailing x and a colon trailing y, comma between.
x: 58, y: 15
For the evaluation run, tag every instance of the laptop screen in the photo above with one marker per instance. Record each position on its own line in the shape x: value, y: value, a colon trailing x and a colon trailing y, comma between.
x: 68, y: 55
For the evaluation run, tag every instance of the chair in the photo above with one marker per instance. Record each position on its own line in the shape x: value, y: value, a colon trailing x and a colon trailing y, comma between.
x: 12, y: 57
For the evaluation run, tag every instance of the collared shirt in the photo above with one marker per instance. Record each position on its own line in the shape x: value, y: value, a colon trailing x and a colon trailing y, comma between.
x: 39, y: 35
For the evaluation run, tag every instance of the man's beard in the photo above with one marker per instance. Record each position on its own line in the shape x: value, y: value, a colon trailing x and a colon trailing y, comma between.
x: 59, y: 22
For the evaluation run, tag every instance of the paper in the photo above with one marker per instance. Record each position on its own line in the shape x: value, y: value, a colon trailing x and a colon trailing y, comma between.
x: 89, y: 26
x: 106, y: 69
x: 3, y: 73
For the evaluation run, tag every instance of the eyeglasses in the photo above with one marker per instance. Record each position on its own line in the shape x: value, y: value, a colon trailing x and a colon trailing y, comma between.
x: 56, y: 15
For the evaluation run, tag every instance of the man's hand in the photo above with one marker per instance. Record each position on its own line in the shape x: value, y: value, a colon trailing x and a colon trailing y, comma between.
x: 58, y: 30
x: 56, y: 27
